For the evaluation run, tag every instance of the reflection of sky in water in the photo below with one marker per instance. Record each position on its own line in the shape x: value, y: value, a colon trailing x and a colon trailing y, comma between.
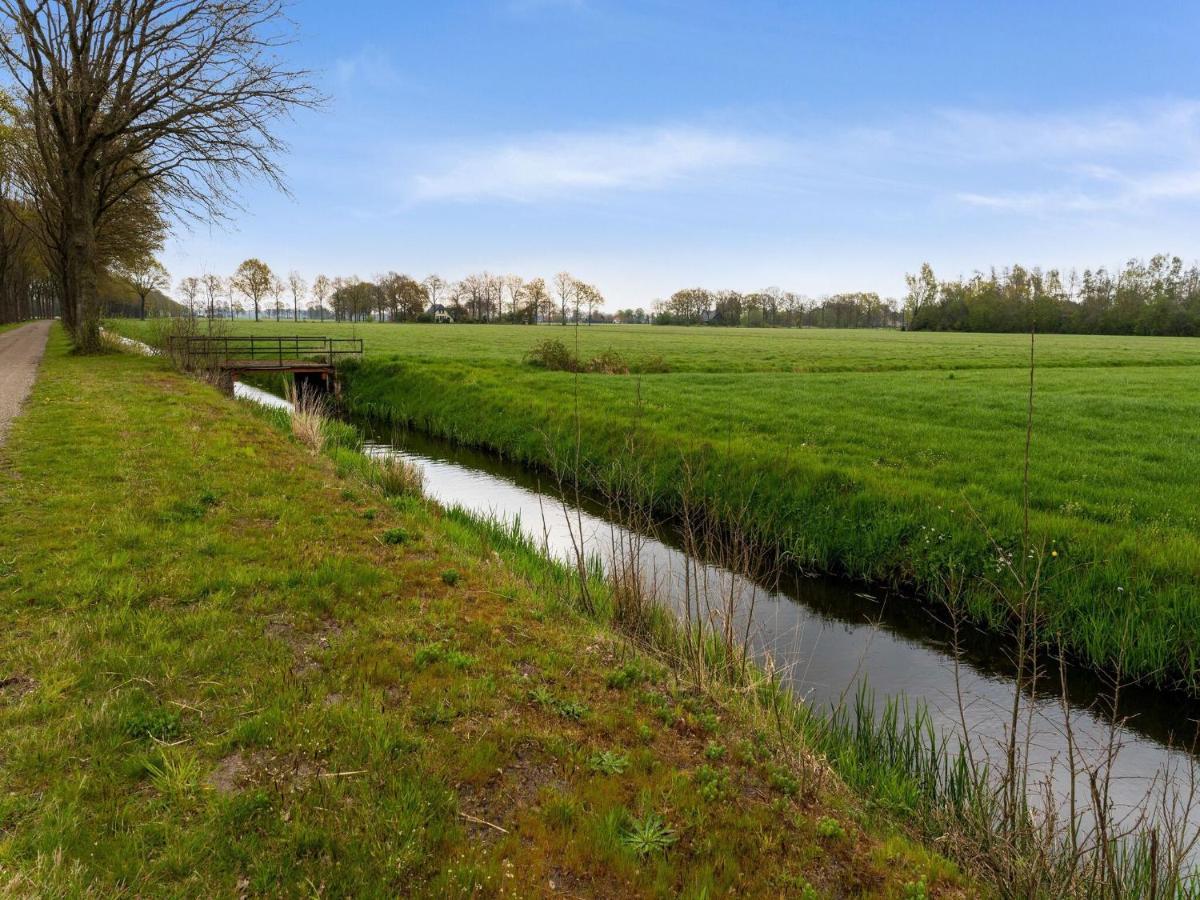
x: 257, y: 395
x: 824, y: 645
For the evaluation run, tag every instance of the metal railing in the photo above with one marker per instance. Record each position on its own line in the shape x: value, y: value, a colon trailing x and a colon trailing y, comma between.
x: 203, y: 351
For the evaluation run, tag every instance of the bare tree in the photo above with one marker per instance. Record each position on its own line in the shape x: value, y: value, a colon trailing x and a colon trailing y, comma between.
x: 434, y: 288
x: 214, y: 287
x: 189, y: 289
x: 565, y: 286
x: 278, y: 288
x: 299, y: 288
x: 515, y: 285
x: 175, y: 99
x: 322, y: 290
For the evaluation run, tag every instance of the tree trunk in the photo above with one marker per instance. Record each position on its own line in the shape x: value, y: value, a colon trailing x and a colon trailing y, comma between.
x: 80, y: 270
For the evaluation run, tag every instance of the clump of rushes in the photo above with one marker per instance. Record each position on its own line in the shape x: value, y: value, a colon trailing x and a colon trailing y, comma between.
x: 552, y: 355
x: 450, y: 577
x: 395, y: 536
x: 396, y: 477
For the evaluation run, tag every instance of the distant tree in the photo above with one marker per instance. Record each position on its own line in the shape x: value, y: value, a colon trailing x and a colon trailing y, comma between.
x: 434, y: 289
x: 278, y: 289
x: 412, y: 297
x: 538, y: 303
x: 335, y: 287
x: 214, y: 287
x: 253, y: 280
x: 727, y: 308
x: 299, y: 288
x: 690, y: 305
x: 922, y: 293
x: 145, y: 276
x: 404, y: 297
x: 322, y: 290
x: 588, y: 299
x: 514, y: 285
x: 565, y: 287
x: 189, y: 289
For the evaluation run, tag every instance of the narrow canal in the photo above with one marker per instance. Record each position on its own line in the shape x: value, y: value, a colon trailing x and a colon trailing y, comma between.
x: 828, y: 636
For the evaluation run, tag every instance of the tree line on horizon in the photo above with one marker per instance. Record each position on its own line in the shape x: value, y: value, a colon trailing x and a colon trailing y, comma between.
x: 255, y: 290
x: 770, y: 308
x: 1158, y: 297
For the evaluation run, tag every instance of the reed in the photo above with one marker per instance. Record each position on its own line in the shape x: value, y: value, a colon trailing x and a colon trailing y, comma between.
x: 308, y: 417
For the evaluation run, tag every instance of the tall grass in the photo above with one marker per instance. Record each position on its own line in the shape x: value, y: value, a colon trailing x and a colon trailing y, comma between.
x: 308, y: 417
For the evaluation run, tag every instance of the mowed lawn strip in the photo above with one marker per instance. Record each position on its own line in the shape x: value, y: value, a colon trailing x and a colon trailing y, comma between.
x: 225, y: 670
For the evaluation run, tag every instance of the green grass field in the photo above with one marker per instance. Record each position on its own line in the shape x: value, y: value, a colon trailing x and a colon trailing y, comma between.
x: 883, y: 455
x: 229, y: 668
x: 742, y: 350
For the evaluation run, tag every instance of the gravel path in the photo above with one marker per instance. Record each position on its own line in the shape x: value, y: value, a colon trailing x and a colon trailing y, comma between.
x: 20, y: 352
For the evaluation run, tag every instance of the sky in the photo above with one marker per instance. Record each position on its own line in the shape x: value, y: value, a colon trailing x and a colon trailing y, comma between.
x: 651, y: 146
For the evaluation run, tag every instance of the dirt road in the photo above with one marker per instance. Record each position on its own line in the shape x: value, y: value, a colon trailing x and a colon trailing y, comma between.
x: 20, y: 352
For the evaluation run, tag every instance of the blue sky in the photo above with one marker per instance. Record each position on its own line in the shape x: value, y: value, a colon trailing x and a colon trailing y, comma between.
x: 657, y: 145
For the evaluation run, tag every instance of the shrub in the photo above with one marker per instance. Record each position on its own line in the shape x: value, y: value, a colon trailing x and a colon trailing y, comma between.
x: 654, y: 365
x: 553, y: 355
x: 610, y: 362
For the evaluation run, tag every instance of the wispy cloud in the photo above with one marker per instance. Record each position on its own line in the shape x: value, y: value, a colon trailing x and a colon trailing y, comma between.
x: 1116, y: 160
x: 370, y: 67
x: 565, y: 164
x: 1130, y: 160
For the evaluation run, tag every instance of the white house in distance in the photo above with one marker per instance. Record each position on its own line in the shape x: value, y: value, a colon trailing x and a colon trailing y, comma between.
x: 440, y: 314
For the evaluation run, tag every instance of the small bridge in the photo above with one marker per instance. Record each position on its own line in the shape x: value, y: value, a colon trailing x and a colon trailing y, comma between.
x: 311, y: 359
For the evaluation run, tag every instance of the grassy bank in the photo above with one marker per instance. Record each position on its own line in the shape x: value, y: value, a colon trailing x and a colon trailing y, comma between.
x: 229, y: 670
x: 882, y: 455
